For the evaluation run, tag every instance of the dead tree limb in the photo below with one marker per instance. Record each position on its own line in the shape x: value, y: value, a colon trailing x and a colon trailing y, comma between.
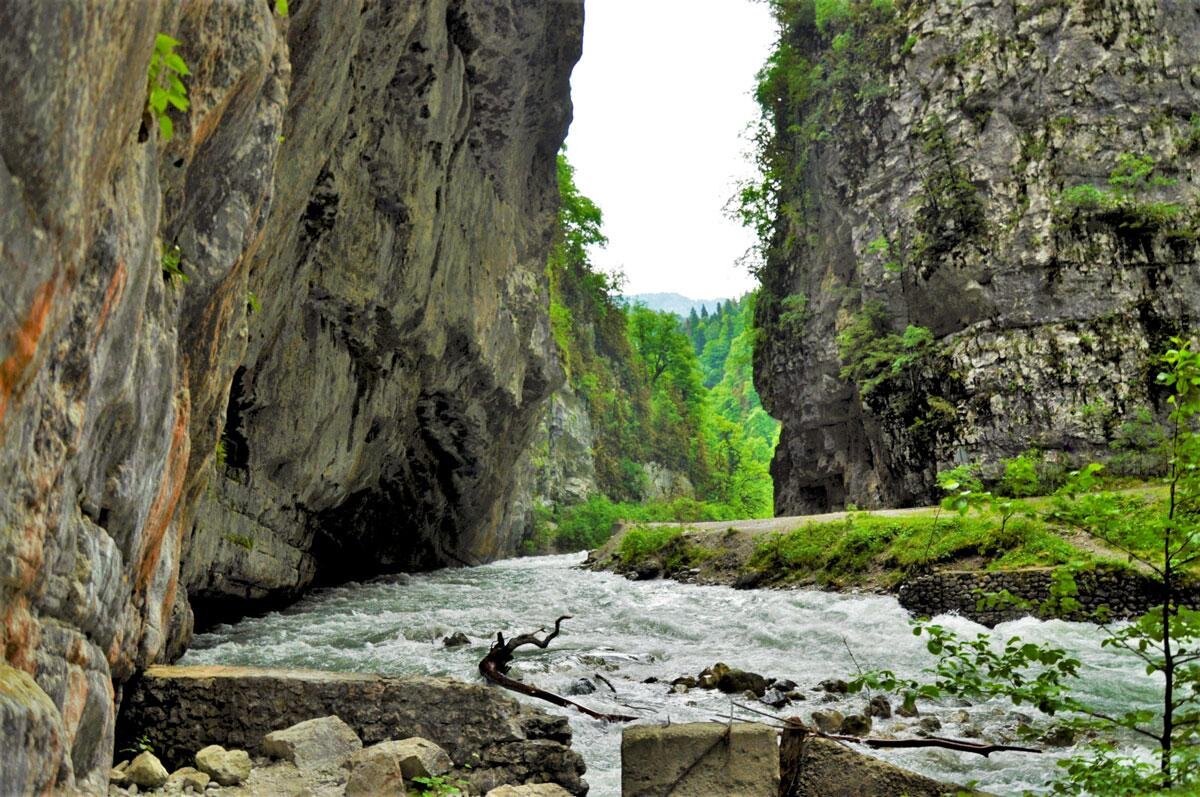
x: 496, y: 664
x: 984, y: 749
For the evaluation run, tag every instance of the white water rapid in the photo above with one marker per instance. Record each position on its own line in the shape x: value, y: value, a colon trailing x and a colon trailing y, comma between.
x: 633, y: 630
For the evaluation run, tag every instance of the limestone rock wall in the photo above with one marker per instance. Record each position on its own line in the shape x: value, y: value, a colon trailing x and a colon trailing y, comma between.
x: 973, y: 169
x: 379, y: 179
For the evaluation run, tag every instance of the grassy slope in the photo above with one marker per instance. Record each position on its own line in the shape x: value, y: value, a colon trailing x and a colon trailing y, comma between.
x: 862, y: 550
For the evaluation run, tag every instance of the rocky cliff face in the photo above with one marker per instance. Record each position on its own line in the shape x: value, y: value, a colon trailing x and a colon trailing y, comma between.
x: 988, y: 230
x: 379, y: 180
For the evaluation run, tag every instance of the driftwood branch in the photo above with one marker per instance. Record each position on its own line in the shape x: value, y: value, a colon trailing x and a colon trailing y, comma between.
x: 984, y: 749
x: 496, y: 664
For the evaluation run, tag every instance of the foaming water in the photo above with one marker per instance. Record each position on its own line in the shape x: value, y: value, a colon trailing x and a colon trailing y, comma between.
x: 630, y: 631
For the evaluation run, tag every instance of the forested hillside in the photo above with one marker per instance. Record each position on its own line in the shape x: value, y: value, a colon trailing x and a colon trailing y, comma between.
x: 678, y: 432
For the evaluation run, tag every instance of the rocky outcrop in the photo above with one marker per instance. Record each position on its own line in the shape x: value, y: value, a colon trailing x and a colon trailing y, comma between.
x: 362, y: 201
x: 991, y: 230
x: 181, y: 709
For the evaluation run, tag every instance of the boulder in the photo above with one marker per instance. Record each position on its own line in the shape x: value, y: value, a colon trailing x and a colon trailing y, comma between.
x: 815, y: 767
x: 318, y: 743
x: 190, y: 776
x: 376, y: 770
x: 856, y: 725
x: 929, y: 724
x: 530, y: 790
x: 147, y: 771
x: 420, y: 758
x: 709, y: 676
x: 835, y: 686
x: 581, y: 686
x: 737, y: 681
x: 700, y: 759
x: 226, y: 767
x: 774, y: 698
x: 456, y: 640
x: 827, y: 720
x: 879, y: 706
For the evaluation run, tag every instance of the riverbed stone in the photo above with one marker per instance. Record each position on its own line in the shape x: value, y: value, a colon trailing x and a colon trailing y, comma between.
x: 856, y: 724
x: 376, y: 770
x: 190, y: 776
x: 700, y: 760
x: 456, y: 640
x: 879, y: 706
x: 225, y: 767
x: 529, y: 790
x: 709, y: 676
x: 735, y: 681
x: 322, y: 742
x: 827, y: 720
x: 147, y: 771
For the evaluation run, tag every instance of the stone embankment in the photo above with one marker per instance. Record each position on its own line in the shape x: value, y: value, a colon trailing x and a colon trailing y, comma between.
x: 488, y: 739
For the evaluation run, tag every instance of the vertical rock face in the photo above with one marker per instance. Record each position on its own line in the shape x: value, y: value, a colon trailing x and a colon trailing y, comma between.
x: 379, y: 179
x: 395, y: 372
x: 992, y: 232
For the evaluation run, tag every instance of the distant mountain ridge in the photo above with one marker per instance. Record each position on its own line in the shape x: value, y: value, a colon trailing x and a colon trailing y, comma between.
x: 675, y: 303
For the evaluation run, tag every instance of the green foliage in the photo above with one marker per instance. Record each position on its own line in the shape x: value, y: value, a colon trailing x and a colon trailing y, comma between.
x: 164, y: 81
x: 643, y: 541
x: 441, y: 786
x: 141, y: 744
x: 172, y: 264
x: 240, y: 540
x: 252, y: 302
x: 220, y: 453
x: 1124, y: 203
x: 872, y: 355
x: 281, y: 8
x: 590, y: 524
x: 794, y: 312
x: 830, y: 12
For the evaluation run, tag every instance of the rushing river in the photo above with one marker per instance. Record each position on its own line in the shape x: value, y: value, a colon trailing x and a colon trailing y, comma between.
x: 633, y: 630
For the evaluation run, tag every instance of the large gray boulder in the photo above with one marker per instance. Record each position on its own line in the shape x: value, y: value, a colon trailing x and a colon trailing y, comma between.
x: 318, y: 743
x: 226, y: 767
x: 146, y: 771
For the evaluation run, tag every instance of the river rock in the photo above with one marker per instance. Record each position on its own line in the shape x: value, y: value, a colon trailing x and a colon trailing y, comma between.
x: 856, y: 724
x: 835, y: 686
x: 376, y: 770
x: 190, y: 776
x: 147, y: 771
x: 816, y: 767
x: 456, y: 640
x: 318, y: 743
x: 709, y: 676
x: 420, y: 758
x: 225, y: 767
x: 581, y: 686
x: 774, y: 698
x: 530, y: 790
x: 879, y: 706
x: 1058, y: 736
x: 929, y: 724
x: 827, y: 720
x: 734, y: 681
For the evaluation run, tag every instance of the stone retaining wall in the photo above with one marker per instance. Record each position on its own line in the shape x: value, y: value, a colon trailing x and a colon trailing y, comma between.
x: 183, y: 709
x: 1125, y: 593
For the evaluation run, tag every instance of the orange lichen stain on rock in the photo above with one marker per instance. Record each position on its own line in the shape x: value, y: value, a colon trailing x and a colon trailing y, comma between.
x: 112, y: 295
x: 12, y: 368
x: 19, y: 635
x: 162, y: 511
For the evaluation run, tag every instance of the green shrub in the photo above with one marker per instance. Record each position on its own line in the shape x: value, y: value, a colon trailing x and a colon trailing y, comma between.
x: 165, y: 83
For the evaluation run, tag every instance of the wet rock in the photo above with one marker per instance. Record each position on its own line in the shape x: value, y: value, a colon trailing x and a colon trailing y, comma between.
x: 879, y: 706
x: 709, y: 676
x: 835, y: 686
x: 225, y: 767
x: 456, y: 640
x: 147, y: 771
x: 929, y: 724
x: 686, y: 680
x: 581, y: 686
x: 856, y: 725
x: 679, y: 689
x: 734, y: 681
x: 816, y: 767
x: 827, y: 720
x: 783, y: 685
x: 749, y: 579
x: 317, y: 743
x: 907, y: 708
x: 774, y: 698
x: 796, y: 694
x: 1058, y: 736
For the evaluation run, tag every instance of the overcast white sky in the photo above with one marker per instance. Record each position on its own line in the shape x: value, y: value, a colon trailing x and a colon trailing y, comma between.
x: 663, y: 96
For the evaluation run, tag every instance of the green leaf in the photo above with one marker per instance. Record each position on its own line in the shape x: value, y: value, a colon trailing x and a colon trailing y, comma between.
x: 158, y: 100
x: 166, y: 127
x: 175, y: 62
x: 281, y: 7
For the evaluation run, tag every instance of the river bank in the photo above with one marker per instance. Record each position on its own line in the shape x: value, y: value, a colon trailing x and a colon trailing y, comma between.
x: 934, y: 561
